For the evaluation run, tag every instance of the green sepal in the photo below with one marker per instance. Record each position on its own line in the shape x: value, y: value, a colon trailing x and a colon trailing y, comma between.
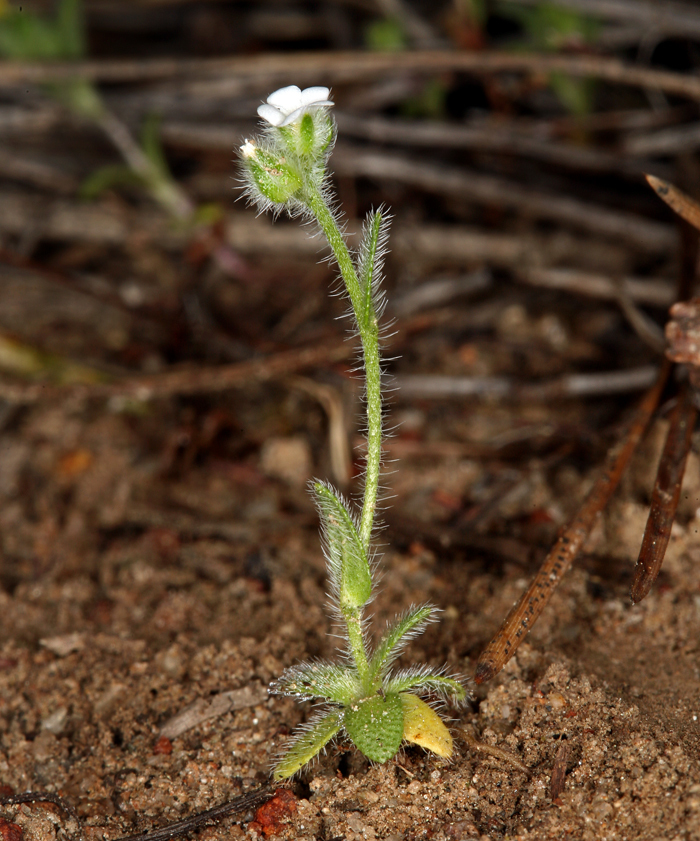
x: 348, y: 568
x: 309, y: 740
x: 277, y: 181
x: 307, y: 135
x: 375, y: 726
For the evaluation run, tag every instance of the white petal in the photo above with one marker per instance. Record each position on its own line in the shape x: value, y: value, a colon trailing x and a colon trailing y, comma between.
x: 293, y: 117
x: 273, y: 115
x: 286, y: 99
x: 317, y: 94
x: 296, y: 115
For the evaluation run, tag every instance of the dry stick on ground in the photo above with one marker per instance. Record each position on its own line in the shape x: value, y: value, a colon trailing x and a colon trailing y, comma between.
x: 677, y: 200
x: 465, y: 185
x: 558, y: 778
x: 665, y: 496
x: 667, y: 141
x: 435, y: 386
x: 652, y: 292
x: 663, y: 19
x: 490, y: 136
x: 201, y: 380
x: 234, y: 75
x: 525, y: 612
x: 496, y: 752
x: 682, y: 336
x: 184, y: 827
x: 533, y: 601
x: 100, y: 223
x: 238, y: 804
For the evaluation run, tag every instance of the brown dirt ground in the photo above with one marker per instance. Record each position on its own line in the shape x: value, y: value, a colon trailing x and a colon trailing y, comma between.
x: 137, y: 588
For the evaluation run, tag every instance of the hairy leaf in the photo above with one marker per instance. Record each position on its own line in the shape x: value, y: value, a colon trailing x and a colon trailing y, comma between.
x: 409, y: 625
x: 309, y: 740
x: 348, y: 568
x: 370, y: 261
x: 375, y: 725
x: 330, y: 681
x: 425, y: 679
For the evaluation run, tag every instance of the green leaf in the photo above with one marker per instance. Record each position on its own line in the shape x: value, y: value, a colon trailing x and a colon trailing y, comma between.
x: 26, y: 37
x: 375, y: 726
x: 408, y: 626
x: 151, y: 145
x: 330, y: 681
x: 70, y: 24
x: 309, y: 740
x: 375, y: 234
x: 115, y: 175
x: 348, y: 568
x: 386, y: 36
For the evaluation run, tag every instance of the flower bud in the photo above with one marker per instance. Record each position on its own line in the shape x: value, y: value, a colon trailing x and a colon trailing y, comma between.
x: 270, y: 178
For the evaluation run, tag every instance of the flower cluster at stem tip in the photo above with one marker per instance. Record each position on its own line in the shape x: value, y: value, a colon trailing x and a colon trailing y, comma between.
x: 288, y: 162
x: 362, y: 697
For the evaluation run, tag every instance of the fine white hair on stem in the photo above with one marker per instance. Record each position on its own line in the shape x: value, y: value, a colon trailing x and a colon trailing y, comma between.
x: 286, y: 170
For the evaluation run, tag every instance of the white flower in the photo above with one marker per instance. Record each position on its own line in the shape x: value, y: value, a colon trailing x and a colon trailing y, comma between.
x: 287, y: 105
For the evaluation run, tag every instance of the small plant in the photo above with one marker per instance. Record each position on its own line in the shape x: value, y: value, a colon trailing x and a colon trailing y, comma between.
x: 27, y: 36
x: 375, y: 707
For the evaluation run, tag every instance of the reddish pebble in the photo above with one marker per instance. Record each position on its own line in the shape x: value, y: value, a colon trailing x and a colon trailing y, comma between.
x: 6, y: 791
x: 10, y: 831
x: 270, y: 817
x: 163, y: 746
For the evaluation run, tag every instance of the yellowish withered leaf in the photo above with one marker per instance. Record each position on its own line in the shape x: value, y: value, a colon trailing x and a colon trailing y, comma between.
x: 424, y: 727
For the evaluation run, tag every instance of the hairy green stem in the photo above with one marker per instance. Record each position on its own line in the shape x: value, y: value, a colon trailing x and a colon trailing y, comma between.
x: 353, y: 620
x: 366, y: 319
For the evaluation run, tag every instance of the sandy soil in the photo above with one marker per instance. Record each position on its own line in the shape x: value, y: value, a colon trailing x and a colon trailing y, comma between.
x: 134, y: 586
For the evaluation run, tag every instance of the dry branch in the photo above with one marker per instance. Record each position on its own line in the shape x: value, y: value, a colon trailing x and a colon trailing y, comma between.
x: 488, y: 189
x: 665, y: 496
x: 524, y: 613
x: 225, y: 77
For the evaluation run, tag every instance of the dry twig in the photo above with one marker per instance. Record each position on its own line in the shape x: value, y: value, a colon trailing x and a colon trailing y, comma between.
x: 665, y: 496
x: 524, y: 613
x: 558, y: 778
x: 201, y: 380
x: 570, y: 385
x: 489, y: 189
x: 229, y: 76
